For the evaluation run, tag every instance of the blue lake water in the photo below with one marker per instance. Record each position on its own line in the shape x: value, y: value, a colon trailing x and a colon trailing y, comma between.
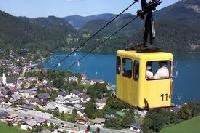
x: 102, y: 66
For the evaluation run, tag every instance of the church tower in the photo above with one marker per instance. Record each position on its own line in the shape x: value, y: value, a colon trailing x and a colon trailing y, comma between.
x: 4, y: 79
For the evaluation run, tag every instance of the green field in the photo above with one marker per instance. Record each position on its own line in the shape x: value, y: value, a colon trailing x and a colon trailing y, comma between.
x: 4, y: 128
x: 189, y: 126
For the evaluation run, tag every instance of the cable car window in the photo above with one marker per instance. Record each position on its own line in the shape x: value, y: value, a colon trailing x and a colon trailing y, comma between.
x: 156, y: 70
x: 127, y: 67
x: 136, y: 70
x: 118, y: 65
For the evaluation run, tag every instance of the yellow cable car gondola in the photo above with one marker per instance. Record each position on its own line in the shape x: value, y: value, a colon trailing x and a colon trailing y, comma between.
x: 138, y: 82
x: 133, y: 86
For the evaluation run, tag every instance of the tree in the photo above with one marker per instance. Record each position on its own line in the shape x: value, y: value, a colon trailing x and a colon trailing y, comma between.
x: 100, y: 113
x: 51, y: 127
x: 128, y: 119
x: 156, y: 119
x: 97, y: 130
x: 90, y: 109
x: 97, y: 90
x: 37, y: 129
x: 116, y: 104
x: 148, y: 125
x: 74, y: 112
x: 185, y: 112
x: 56, y: 112
x: 173, y: 118
x: 114, y: 123
x: 74, y: 115
x: 62, y: 116
x: 58, y: 82
x: 9, y: 124
x: 195, y: 107
x: 53, y: 94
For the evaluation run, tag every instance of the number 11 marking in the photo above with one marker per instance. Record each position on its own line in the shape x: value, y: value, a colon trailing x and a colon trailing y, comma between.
x: 165, y: 97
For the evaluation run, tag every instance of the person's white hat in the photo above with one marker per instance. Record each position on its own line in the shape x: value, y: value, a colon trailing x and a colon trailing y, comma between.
x: 148, y: 67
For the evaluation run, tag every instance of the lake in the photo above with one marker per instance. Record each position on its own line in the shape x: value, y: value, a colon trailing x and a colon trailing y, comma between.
x: 102, y: 66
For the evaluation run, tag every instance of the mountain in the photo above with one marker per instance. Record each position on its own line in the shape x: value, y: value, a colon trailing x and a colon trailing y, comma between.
x: 177, y: 28
x: 94, y: 25
x: 79, y: 21
x: 43, y: 33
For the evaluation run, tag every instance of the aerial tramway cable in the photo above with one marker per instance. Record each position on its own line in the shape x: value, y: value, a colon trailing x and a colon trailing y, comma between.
x: 102, y: 42
x: 94, y: 35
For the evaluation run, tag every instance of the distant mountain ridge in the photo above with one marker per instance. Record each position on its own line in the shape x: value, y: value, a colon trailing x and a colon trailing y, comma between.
x: 33, y: 33
x: 79, y: 21
x: 177, y: 29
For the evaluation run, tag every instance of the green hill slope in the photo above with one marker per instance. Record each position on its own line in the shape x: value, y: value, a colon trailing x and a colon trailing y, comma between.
x: 6, y: 129
x: 40, y: 33
x: 189, y: 126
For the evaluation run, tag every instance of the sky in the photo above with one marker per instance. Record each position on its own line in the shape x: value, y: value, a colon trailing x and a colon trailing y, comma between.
x: 62, y: 8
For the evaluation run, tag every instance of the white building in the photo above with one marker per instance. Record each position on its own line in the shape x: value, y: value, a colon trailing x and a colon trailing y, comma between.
x: 61, y: 107
x: 73, y: 79
x: 4, y: 79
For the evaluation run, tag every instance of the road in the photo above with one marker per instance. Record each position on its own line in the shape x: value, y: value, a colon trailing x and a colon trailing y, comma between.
x: 67, y: 125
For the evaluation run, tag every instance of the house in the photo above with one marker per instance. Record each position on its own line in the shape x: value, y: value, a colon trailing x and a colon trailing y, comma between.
x: 43, y: 96
x: 111, y: 87
x: 29, y: 93
x: 100, y: 81
x: 80, y: 113
x: 74, y: 100
x: 28, y: 106
x: 45, y: 131
x: 78, y: 107
x: 85, y: 82
x: 135, y: 128
x: 141, y: 113
x: 31, y: 122
x: 11, y: 118
x: 176, y: 108
x: 84, y: 77
x: 44, y: 82
x: 15, y: 97
x: 92, y: 82
x: 100, y: 103
x: 65, y: 109
x: 40, y: 120
x: 84, y: 98
x: 82, y: 121
x: 63, y: 93
x: 73, y: 79
x: 50, y: 106
x: 61, y: 107
x: 60, y: 100
x: 24, y: 127
x: 28, y: 124
x: 11, y: 80
x: 3, y: 114
x: 99, y: 122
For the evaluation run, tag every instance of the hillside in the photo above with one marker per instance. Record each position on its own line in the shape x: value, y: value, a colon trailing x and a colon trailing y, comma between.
x: 79, y: 21
x: 177, y: 29
x: 189, y: 126
x: 93, y: 25
x: 42, y: 33
x: 178, y: 26
x: 9, y: 129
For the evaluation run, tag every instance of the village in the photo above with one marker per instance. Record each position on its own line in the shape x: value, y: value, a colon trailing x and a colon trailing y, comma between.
x: 36, y: 99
